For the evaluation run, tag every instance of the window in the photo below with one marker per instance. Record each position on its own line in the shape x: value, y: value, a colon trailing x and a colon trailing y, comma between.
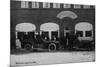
x: 46, y: 5
x: 77, y: 6
x: 24, y: 4
x: 88, y: 33
x: 56, y: 5
x: 67, y: 6
x: 27, y: 4
x: 86, y: 6
x: 79, y: 33
x: 35, y: 4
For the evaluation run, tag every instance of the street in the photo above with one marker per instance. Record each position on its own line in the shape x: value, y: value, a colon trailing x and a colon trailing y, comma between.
x: 41, y: 58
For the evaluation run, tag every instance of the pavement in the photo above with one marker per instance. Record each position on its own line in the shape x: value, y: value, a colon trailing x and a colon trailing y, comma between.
x: 41, y: 58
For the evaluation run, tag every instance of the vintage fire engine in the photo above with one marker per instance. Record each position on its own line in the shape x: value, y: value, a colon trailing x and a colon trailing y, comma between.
x: 84, y: 32
x: 25, y: 35
x: 50, y: 35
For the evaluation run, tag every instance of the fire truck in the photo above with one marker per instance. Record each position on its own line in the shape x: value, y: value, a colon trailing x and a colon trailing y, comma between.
x: 25, y: 36
x: 84, y: 33
x: 49, y: 36
x: 49, y: 33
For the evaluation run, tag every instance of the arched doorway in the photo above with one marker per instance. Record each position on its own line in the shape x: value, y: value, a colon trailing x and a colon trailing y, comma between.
x: 67, y: 21
x: 67, y: 24
x: 51, y: 28
x: 50, y: 34
x: 84, y: 31
x: 25, y: 34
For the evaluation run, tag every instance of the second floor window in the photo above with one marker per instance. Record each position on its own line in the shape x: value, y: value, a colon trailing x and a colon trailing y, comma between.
x: 86, y: 6
x: 35, y: 4
x: 46, y: 5
x: 24, y: 4
x: 67, y: 6
x: 77, y: 6
x: 56, y: 5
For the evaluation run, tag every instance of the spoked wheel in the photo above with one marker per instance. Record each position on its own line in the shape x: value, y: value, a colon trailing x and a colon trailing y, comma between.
x: 28, y: 46
x: 52, y: 47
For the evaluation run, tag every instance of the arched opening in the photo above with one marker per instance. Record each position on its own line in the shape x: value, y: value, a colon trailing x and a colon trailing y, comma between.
x: 25, y: 33
x: 69, y: 14
x: 50, y: 34
x: 50, y: 30
x: 67, y: 18
x: 84, y: 31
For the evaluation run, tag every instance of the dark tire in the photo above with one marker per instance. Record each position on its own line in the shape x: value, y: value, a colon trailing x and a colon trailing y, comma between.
x: 28, y: 46
x: 52, y: 47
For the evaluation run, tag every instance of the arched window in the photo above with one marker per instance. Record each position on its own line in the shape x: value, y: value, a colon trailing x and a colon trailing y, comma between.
x: 69, y: 14
x: 50, y: 29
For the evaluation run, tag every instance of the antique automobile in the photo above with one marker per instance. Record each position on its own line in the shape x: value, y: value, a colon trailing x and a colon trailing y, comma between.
x: 25, y: 35
x: 84, y: 32
x: 50, y: 35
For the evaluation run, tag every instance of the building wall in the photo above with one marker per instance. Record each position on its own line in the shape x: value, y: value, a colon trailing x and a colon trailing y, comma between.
x: 41, y: 15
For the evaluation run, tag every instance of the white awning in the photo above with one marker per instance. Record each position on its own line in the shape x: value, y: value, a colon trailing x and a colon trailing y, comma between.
x: 49, y: 27
x: 25, y: 27
x: 83, y: 26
